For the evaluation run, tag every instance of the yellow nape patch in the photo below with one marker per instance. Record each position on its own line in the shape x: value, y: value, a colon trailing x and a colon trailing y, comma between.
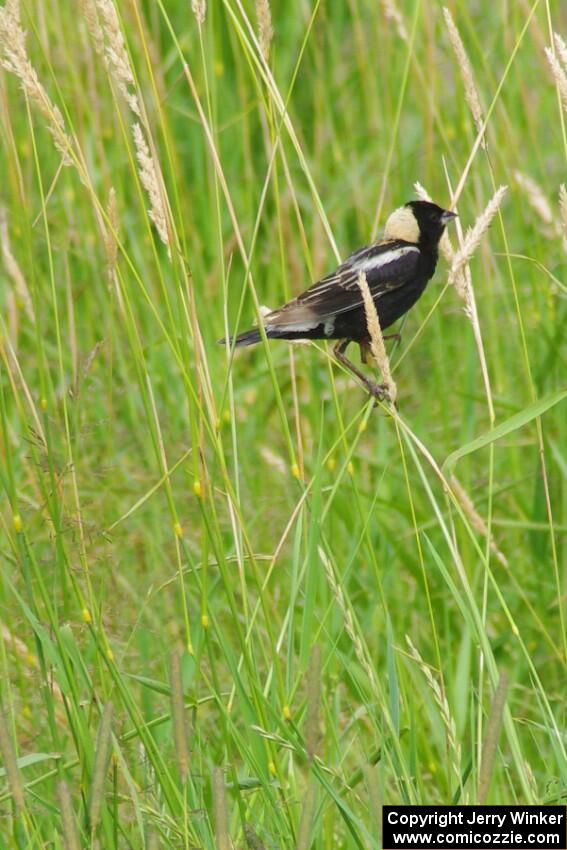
x: 402, y: 224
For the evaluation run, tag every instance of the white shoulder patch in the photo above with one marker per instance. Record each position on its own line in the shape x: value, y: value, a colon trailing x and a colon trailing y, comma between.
x: 368, y: 264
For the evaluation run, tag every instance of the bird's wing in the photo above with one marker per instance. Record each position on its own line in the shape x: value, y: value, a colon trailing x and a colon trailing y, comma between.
x: 387, y: 265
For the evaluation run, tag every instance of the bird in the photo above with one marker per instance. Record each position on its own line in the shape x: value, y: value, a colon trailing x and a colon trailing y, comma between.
x: 397, y: 268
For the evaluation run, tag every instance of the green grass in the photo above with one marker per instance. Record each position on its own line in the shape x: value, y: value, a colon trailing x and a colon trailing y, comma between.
x: 212, y: 565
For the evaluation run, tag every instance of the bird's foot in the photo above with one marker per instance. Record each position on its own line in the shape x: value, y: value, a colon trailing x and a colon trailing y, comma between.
x: 397, y: 337
x: 378, y: 391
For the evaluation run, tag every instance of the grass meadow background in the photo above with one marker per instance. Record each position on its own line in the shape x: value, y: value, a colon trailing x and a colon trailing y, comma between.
x: 239, y: 606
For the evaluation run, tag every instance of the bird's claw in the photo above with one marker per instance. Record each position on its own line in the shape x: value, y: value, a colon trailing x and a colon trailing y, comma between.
x: 379, y: 391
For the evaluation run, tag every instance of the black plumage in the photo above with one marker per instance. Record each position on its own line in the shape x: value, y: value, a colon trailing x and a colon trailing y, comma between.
x: 397, y: 270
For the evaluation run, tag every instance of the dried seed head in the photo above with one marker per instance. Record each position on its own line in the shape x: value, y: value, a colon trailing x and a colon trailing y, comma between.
x: 559, y: 75
x: 471, y: 91
x: 561, y: 49
x: 563, y: 208
x: 117, y: 59
x: 14, y: 59
x: 199, y: 8
x: 100, y: 767
x: 311, y: 728
x: 274, y: 460
x: 220, y: 810
x: 92, y: 20
x: 539, y: 202
x: 151, y: 181
x: 443, y: 704
x: 475, y: 518
x: 376, y: 339
x: 12, y: 7
x: 351, y: 626
x: 265, y: 28
x: 70, y: 834
x: 11, y: 769
x: 393, y: 14
x: 178, y: 714
x: 535, y: 196
x: 422, y: 192
x: 111, y: 232
x: 491, y: 737
x: 474, y: 235
x: 12, y: 267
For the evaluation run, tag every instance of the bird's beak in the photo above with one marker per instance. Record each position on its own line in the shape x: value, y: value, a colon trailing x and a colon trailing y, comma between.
x: 448, y: 216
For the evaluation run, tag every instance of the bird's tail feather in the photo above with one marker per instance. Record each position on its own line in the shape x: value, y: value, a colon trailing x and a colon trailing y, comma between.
x: 246, y: 338
x: 272, y: 332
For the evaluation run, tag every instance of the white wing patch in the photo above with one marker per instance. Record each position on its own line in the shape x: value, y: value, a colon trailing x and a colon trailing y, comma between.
x: 368, y: 264
x: 329, y: 326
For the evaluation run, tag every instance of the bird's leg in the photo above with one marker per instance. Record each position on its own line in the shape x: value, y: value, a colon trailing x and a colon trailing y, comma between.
x: 366, y: 351
x: 378, y: 391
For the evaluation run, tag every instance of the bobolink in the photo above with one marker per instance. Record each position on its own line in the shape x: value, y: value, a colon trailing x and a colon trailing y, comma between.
x: 397, y: 270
